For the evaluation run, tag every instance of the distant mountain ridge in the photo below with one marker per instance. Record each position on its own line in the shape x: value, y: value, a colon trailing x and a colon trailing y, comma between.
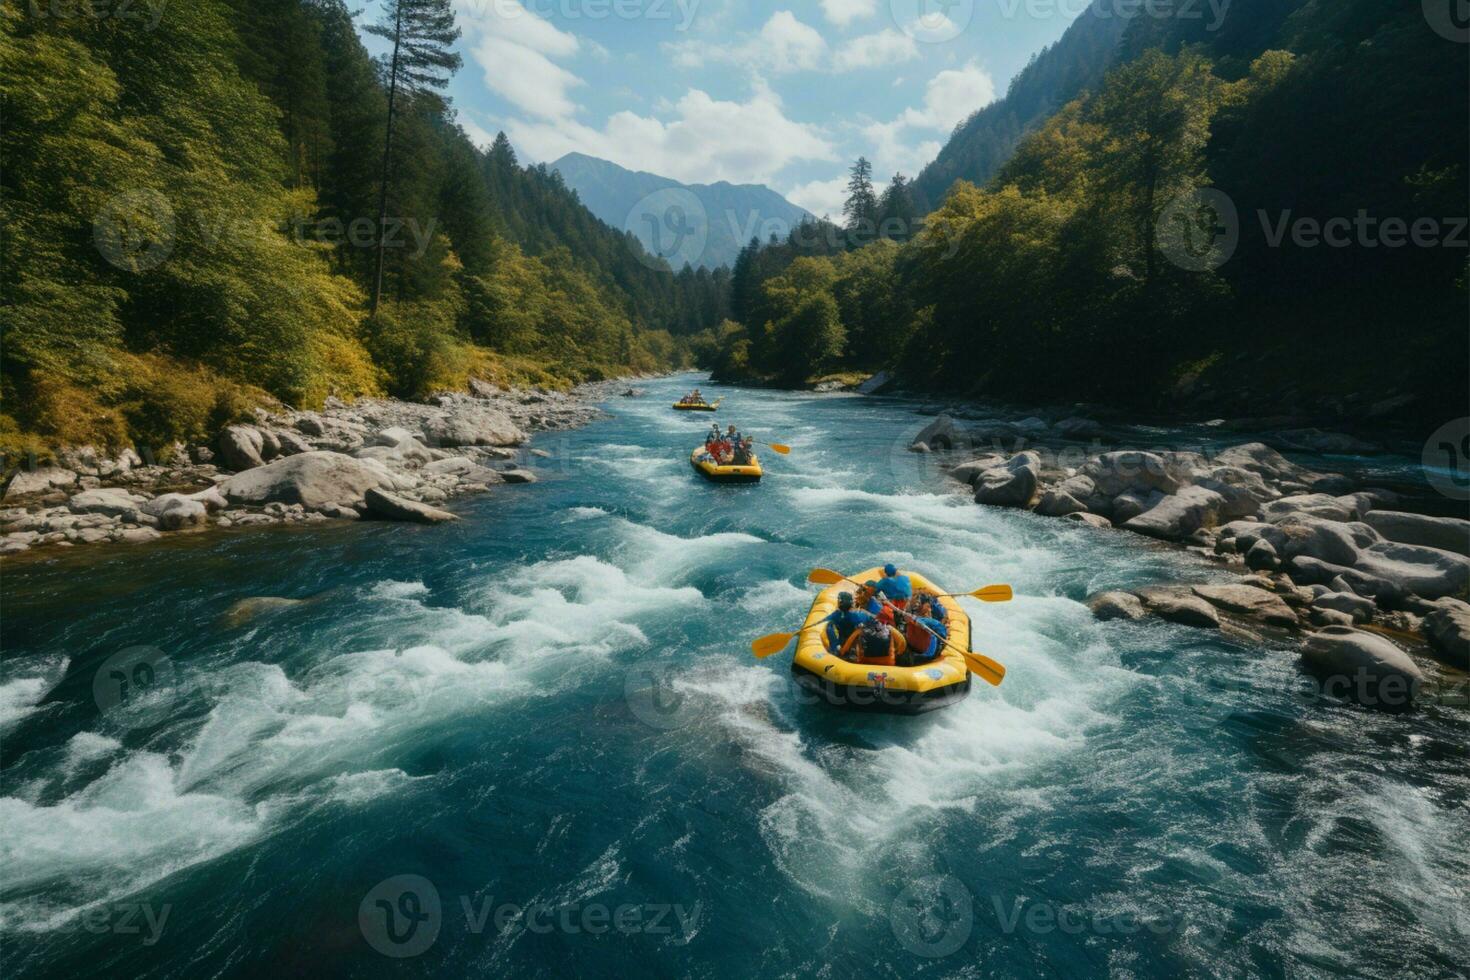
x: 702, y: 224
x: 982, y: 144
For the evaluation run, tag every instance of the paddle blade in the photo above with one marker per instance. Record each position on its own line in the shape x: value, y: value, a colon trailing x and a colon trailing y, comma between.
x: 986, y: 669
x: 825, y: 576
x: 769, y: 644
x: 783, y: 450
x: 994, y: 593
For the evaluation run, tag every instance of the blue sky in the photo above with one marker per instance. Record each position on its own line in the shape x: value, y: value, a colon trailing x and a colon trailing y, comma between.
x: 784, y: 94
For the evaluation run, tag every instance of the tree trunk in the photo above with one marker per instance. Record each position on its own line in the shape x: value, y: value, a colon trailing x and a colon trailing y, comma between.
x: 387, y: 161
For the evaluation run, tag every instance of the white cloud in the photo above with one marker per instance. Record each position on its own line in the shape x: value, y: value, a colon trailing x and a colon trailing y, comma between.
x: 844, y: 12
x: 479, y: 135
x: 784, y: 44
x: 515, y: 48
x: 823, y: 198
x: 887, y: 47
x: 706, y: 140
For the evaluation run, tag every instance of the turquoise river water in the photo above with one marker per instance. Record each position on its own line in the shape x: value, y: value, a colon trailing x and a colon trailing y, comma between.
x: 534, y: 743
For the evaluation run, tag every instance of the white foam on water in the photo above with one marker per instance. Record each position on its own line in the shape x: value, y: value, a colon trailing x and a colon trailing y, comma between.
x: 124, y: 831
x: 86, y: 747
x: 658, y: 555
x: 773, y: 596
x: 585, y: 513
x: 26, y: 683
x: 391, y: 589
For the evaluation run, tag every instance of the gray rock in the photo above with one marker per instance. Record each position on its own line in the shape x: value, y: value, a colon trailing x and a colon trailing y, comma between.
x: 1363, y: 666
x: 1178, y: 515
x: 1426, y: 572
x: 1117, y: 472
x: 481, y: 427
x: 1358, y: 609
x: 968, y: 471
x: 137, y: 535
x: 1247, y: 600
x: 1116, y: 605
x: 1312, y: 504
x: 453, y: 464
x: 1323, y: 616
x: 392, y: 507
x: 110, y: 501
x: 393, y: 435
x: 518, y: 475
x: 314, y: 480
x: 10, y: 546
x: 876, y: 383
x: 241, y: 446
x: 1091, y: 520
x: 211, y: 498
x: 41, y: 480
x: 1011, y: 485
x: 1444, y: 533
x: 1129, y: 504
x: 290, y: 443
x: 1448, y: 628
x: 1257, y: 457
x: 175, y: 511
x: 1330, y: 541
x: 1179, y: 605
x: 270, y: 445
x: 1058, y: 503
x: 938, y: 435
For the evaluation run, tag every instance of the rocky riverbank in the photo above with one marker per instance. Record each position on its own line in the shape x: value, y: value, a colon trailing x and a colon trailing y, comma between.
x: 1337, y: 566
x: 375, y: 458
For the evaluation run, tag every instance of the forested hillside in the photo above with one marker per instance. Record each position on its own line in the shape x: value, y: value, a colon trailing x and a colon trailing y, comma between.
x: 1224, y: 222
x: 982, y: 144
x: 192, y: 207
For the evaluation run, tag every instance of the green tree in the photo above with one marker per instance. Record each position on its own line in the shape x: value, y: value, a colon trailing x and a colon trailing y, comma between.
x: 421, y: 33
x: 861, y: 207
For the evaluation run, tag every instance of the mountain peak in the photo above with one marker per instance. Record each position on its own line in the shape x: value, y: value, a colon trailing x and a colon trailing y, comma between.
x: 714, y: 221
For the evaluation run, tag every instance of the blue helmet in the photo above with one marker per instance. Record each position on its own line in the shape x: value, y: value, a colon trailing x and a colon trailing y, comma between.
x: 890, y: 569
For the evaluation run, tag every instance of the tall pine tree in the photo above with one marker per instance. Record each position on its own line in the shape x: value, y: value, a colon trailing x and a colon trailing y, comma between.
x: 861, y: 208
x: 421, y: 32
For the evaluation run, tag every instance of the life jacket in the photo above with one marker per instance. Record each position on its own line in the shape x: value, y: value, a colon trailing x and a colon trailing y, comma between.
x: 875, y: 644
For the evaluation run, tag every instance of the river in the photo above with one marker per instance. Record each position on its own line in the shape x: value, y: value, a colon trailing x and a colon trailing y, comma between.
x: 534, y: 743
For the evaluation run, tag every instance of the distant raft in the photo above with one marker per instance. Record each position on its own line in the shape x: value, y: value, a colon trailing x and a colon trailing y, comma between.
x: 698, y: 406
x: 871, y: 687
x: 729, y: 473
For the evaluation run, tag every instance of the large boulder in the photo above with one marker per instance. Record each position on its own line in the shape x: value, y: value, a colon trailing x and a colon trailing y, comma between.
x: 1248, y: 601
x: 1178, y: 604
x: 1444, y: 533
x: 392, y: 507
x: 1179, y: 515
x: 1426, y: 572
x: 42, y: 480
x: 1130, y: 503
x: 1257, y: 457
x: 875, y: 383
x: 1129, y: 469
x: 478, y: 427
x: 242, y: 447
x: 1079, y: 429
x: 1058, y: 503
x: 1357, y: 608
x: 1448, y: 628
x: 1363, y: 666
x: 1116, y: 605
x: 967, y: 472
x: 315, y: 480
x: 110, y: 501
x: 175, y: 511
x: 939, y: 434
x: 1331, y: 541
x: 1011, y: 485
x: 1313, y: 505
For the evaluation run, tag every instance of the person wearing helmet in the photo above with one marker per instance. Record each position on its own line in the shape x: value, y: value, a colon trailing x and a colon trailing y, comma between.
x: 844, y: 622
x: 896, y: 587
x: 876, y: 643
x: 924, y: 636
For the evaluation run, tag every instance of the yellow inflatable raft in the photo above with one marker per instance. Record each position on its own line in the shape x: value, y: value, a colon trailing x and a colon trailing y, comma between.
x: 731, y: 473
x: 698, y: 406
x: 900, y: 690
